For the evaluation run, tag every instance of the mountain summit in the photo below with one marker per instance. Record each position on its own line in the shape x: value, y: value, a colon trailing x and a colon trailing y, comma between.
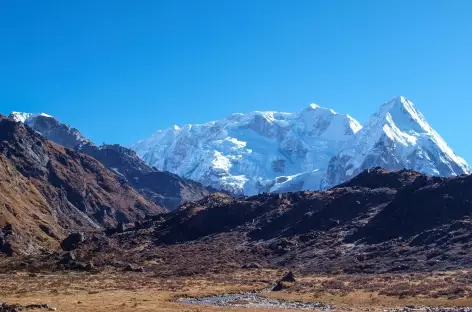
x: 52, y: 129
x: 250, y: 153
x: 397, y: 136
x: 316, y: 148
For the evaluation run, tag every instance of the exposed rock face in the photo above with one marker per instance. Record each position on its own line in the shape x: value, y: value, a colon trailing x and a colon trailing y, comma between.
x: 72, y: 241
x: 163, y: 188
x: 46, y: 189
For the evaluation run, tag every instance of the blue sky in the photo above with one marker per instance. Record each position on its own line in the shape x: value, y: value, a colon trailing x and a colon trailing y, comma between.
x: 119, y: 70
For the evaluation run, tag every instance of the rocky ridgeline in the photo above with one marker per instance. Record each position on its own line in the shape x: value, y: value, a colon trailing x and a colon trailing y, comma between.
x: 163, y: 188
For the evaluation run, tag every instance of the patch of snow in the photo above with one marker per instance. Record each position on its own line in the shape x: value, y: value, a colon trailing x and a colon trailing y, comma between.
x: 25, y: 117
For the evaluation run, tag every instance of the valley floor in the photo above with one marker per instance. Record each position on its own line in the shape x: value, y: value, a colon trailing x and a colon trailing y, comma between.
x: 133, y: 291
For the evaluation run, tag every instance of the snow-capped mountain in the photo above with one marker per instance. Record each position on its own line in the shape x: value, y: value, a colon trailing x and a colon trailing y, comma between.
x: 52, y: 129
x: 314, y: 149
x: 250, y: 153
x: 165, y: 189
x: 397, y: 136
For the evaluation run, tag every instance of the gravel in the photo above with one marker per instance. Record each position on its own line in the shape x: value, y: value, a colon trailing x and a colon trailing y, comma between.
x: 253, y: 300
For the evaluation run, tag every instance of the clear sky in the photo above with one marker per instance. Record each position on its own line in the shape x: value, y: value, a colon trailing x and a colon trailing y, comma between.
x: 119, y: 70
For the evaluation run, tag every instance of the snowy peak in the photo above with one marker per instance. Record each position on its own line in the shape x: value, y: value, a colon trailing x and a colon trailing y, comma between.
x: 319, y: 109
x: 312, y: 149
x: 313, y: 106
x: 52, y: 129
x: 396, y: 137
x: 26, y: 117
x: 245, y: 153
x: 327, y: 123
x: 403, y: 113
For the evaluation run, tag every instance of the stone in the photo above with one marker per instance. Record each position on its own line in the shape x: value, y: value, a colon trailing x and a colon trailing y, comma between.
x: 121, y: 227
x: 289, y: 278
x: 4, y: 307
x: 73, y: 241
x: 280, y: 286
x: 67, y: 258
x: 90, y: 266
x: 79, y: 266
x: 8, y: 229
x: 133, y: 268
x: 7, y: 248
x: 252, y: 265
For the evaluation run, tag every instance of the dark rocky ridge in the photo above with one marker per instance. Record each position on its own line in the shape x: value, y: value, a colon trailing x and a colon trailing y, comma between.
x: 163, y: 188
x: 378, y: 222
x: 47, y: 190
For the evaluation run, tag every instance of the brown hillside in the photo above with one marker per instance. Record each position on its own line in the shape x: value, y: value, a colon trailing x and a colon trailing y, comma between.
x: 47, y: 191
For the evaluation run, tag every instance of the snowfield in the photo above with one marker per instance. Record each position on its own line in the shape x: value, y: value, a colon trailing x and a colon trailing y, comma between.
x: 313, y: 149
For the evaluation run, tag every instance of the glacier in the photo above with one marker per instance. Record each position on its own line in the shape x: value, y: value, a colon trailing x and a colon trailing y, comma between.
x: 313, y: 149
x: 250, y: 153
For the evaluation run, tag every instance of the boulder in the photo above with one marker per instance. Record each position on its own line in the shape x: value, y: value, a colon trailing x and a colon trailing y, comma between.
x: 252, y: 265
x: 285, y: 282
x: 6, y: 248
x: 67, y: 258
x: 133, y: 268
x: 121, y: 227
x: 4, y: 307
x: 8, y: 229
x: 78, y: 266
x: 281, y: 286
x: 90, y: 266
x: 289, y: 278
x: 72, y: 241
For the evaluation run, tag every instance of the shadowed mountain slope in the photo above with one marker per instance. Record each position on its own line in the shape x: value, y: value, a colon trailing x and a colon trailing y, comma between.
x: 47, y: 190
x: 379, y: 221
x: 163, y: 188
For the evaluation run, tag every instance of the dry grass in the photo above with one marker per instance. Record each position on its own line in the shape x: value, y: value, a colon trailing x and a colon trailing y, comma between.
x: 148, y: 292
x: 17, y: 196
x: 385, y: 290
x: 118, y: 291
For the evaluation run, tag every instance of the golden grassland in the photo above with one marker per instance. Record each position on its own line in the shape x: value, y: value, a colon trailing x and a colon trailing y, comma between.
x: 117, y: 291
